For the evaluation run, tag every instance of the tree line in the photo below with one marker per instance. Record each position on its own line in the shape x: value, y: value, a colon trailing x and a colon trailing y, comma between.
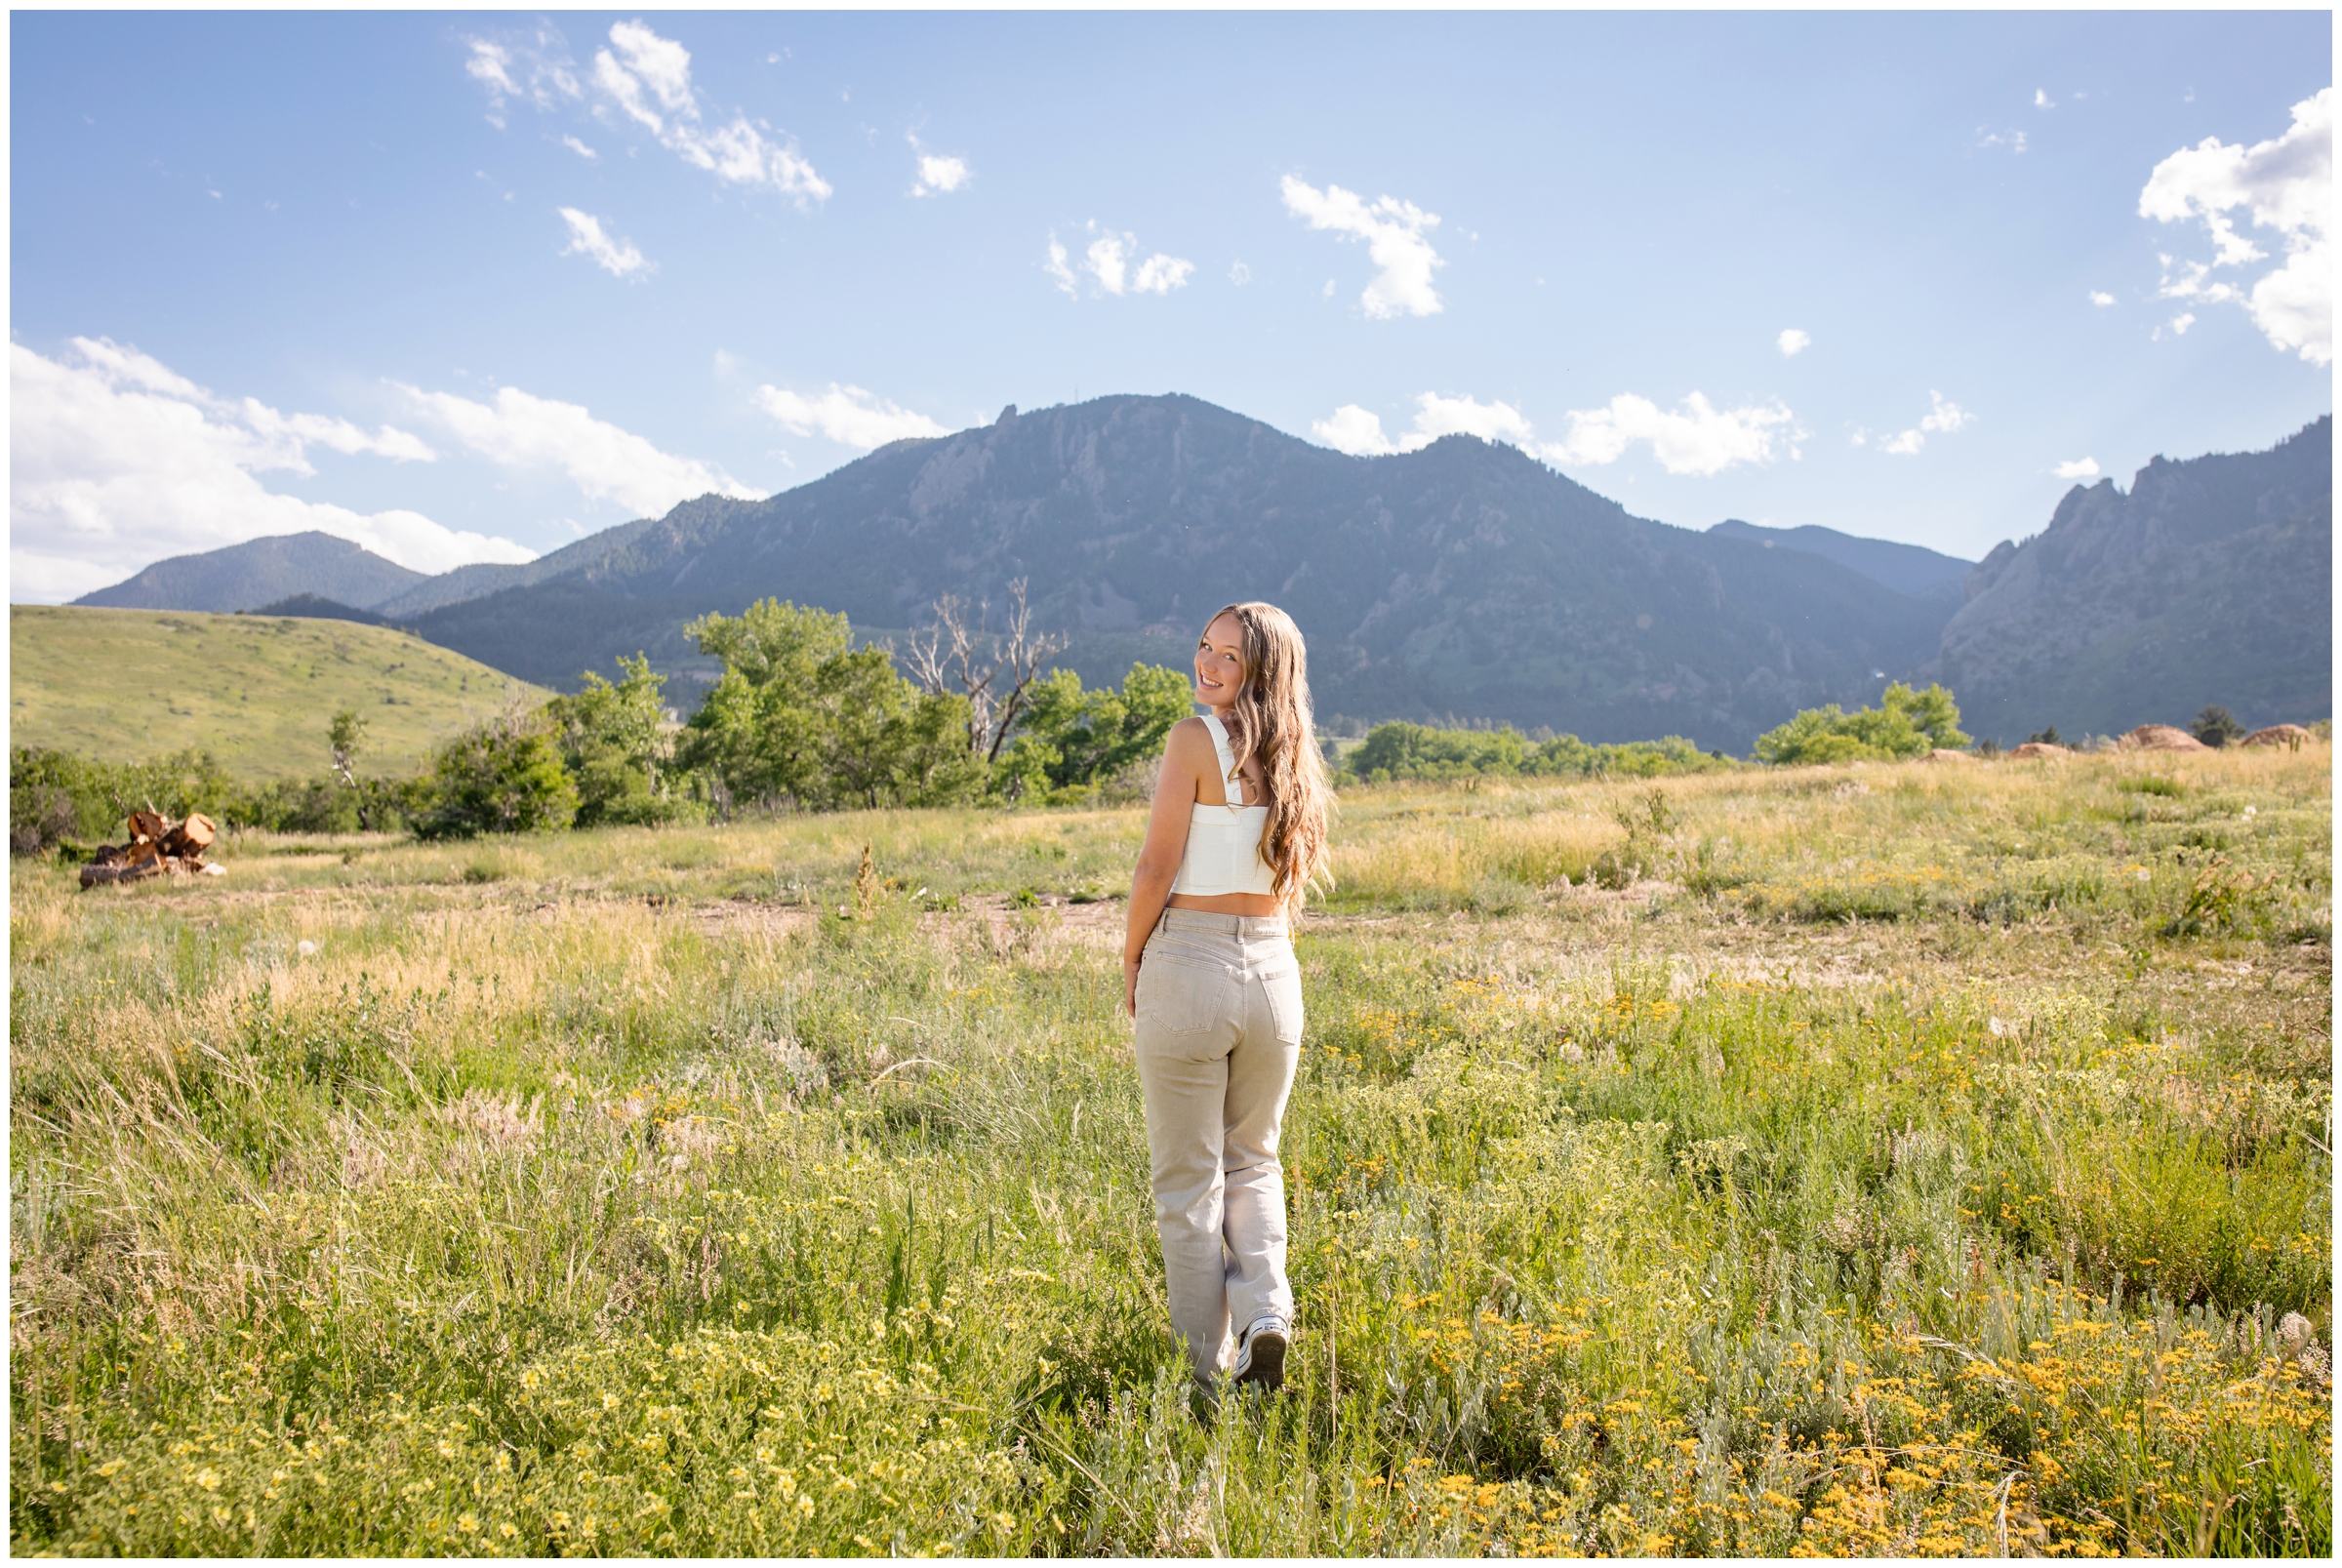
x: 800, y: 719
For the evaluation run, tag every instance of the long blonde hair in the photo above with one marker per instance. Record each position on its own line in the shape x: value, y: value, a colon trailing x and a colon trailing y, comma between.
x: 1272, y: 719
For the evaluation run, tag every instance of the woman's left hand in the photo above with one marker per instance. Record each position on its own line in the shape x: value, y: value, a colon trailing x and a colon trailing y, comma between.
x: 1130, y: 987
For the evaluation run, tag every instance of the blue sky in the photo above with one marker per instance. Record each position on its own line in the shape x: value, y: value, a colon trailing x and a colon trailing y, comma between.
x: 466, y: 287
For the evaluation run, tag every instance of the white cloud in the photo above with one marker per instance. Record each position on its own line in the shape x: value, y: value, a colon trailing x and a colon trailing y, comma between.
x: 2078, y: 468
x: 1359, y: 431
x: 938, y: 177
x: 2099, y: 296
x: 1160, y: 275
x: 1942, y: 419
x: 2013, y: 141
x: 647, y: 79
x: 1395, y: 235
x: 296, y: 430
x: 2285, y: 185
x: 1109, y: 262
x: 1355, y: 430
x: 1057, y: 268
x: 1945, y: 418
x: 660, y: 63
x: 491, y: 65
x: 578, y: 147
x: 1239, y: 275
x: 1436, y: 416
x: 533, y: 72
x: 2042, y: 100
x: 616, y: 256
x: 2182, y: 322
x: 118, y: 462
x: 1793, y: 342
x: 1695, y: 438
x: 517, y: 431
x: 846, y: 415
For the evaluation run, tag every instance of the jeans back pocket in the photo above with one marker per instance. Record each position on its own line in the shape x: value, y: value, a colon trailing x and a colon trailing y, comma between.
x: 1281, y: 983
x: 1183, y: 995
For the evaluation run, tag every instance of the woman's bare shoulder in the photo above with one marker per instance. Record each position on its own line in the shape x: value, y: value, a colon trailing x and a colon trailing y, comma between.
x: 1189, y: 746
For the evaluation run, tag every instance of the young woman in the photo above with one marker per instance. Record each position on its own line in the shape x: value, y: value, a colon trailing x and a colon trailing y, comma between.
x: 1236, y: 836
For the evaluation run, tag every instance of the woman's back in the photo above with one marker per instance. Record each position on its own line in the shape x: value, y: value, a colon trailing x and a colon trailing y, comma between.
x: 1222, y: 854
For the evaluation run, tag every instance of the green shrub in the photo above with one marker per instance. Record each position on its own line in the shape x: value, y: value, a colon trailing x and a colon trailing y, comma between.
x: 54, y: 797
x: 2216, y: 726
x: 800, y: 717
x: 615, y: 743
x: 505, y: 776
x: 1402, y: 750
x: 1566, y: 756
x: 1905, y: 724
x: 1072, y: 743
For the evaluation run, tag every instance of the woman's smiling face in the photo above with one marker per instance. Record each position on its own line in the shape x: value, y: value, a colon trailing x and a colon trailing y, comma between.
x: 1219, y: 663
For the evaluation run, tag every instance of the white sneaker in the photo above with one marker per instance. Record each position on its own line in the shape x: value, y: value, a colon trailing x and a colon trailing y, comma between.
x: 1261, y: 1357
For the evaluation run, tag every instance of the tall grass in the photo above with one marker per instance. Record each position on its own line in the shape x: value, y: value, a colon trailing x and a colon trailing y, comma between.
x: 1859, y: 1160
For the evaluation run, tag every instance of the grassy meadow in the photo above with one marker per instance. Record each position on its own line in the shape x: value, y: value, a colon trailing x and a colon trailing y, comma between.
x: 255, y: 691
x: 1877, y: 1160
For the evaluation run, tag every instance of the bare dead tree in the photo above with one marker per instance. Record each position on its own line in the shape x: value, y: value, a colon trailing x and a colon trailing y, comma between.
x: 996, y: 673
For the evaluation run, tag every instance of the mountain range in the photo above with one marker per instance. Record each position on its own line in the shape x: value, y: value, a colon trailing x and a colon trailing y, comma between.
x: 261, y: 572
x: 1464, y: 578
x: 1911, y: 569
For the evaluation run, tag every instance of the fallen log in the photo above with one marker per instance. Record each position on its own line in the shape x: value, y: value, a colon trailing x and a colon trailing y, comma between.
x: 157, y: 847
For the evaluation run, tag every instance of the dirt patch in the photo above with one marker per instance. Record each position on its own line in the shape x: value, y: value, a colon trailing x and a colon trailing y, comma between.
x: 742, y: 916
x: 2040, y: 748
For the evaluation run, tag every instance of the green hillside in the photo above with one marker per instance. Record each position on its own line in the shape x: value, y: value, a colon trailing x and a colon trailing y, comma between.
x: 255, y: 691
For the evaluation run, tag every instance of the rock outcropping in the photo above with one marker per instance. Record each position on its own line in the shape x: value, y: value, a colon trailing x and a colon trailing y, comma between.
x: 2209, y: 582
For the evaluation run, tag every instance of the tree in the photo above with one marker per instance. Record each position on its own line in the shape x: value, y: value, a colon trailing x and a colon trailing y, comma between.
x: 612, y: 740
x: 759, y: 730
x: 503, y: 777
x: 995, y: 675
x: 772, y: 641
x: 1403, y: 750
x: 1072, y: 740
x: 1905, y: 724
x: 801, y: 716
x: 344, y: 736
x: 881, y: 741
x: 2216, y: 726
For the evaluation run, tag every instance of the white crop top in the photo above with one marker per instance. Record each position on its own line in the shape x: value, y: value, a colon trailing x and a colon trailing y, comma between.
x: 1224, y: 842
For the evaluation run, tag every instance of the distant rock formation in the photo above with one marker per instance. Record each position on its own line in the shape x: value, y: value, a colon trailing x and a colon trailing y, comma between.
x: 2159, y: 738
x: 2209, y: 582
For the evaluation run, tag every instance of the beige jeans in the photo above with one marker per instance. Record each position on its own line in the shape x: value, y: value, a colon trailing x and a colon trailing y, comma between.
x: 1219, y: 1039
